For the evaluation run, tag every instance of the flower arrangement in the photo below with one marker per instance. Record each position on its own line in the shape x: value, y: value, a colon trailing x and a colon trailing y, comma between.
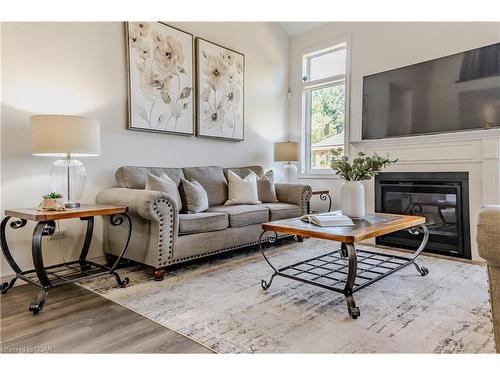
x: 362, y: 168
x: 221, y: 92
x: 160, y: 63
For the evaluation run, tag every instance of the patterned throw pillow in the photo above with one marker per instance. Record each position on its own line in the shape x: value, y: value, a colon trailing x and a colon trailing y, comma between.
x: 194, y: 197
x: 265, y: 186
x: 242, y: 190
x: 166, y: 185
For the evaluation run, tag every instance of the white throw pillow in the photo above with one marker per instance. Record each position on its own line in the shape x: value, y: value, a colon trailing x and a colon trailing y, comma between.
x: 166, y: 185
x: 242, y: 190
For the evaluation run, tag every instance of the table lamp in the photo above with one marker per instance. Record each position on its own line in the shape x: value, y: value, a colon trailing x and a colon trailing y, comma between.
x: 68, y: 137
x: 287, y: 152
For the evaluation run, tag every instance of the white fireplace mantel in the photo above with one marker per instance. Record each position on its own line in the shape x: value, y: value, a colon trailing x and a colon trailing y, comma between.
x: 476, y: 152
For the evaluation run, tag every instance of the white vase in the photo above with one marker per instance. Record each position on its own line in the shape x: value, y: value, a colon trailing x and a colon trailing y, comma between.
x: 353, y: 199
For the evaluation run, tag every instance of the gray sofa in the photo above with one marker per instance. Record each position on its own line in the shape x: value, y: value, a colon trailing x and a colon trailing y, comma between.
x: 161, y: 236
x: 488, y: 239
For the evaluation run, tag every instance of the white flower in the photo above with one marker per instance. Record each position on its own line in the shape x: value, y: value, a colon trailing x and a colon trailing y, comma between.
x: 214, y: 119
x: 143, y: 50
x: 215, y: 70
x: 134, y: 38
x: 141, y: 28
x: 137, y: 31
x: 154, y: 82
x: 168, y: 52
x: 231, y: 96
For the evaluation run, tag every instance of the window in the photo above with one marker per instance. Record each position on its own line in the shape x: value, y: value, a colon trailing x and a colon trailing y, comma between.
x: 324, y: 107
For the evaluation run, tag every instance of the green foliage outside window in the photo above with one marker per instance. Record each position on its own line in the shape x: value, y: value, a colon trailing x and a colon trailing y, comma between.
x: 327, y: 120
x: 327, y: 112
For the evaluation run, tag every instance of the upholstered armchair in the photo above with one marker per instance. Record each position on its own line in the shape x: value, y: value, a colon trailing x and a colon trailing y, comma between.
x: 488, y: 238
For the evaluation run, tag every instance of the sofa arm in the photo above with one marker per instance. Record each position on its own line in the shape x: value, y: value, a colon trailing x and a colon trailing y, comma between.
x: 488, y: 234
x: 297, y: 194
x: 488, y: 240
x: 155, y: 226
x: 145, y: 203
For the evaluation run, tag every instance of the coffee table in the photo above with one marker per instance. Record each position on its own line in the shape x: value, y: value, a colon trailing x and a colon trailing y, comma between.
x: 346, y: 270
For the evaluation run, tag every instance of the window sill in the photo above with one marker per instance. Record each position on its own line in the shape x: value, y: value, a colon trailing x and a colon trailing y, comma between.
x: 318, y: 176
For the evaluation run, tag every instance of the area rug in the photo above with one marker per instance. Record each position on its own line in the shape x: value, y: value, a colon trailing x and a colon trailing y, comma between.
x: 221, y: 305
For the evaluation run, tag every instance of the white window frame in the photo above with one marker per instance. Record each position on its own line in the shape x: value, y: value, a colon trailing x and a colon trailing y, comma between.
x: 306, y: 86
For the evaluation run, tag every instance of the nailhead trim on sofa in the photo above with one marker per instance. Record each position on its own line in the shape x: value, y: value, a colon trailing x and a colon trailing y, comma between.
x: 161, y: 245
x: 304, y: 199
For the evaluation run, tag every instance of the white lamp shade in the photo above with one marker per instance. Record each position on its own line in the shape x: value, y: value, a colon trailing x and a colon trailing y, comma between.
x: 59, y: 135
x: 286, y: 151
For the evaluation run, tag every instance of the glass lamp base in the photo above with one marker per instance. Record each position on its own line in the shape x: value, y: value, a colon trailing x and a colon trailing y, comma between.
x: 68, y: 179
x: 289, y: 173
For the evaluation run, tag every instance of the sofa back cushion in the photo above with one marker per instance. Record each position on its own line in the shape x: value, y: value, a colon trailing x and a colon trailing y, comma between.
x: 213, y: 181
x: 242, y: 172
x: 135, y: 177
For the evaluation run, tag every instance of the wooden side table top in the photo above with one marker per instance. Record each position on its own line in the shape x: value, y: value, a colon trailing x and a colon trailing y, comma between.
x: 85, y: 210
x: 368, y: 227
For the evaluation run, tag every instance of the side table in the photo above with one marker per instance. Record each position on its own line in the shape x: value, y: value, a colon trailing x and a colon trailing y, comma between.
x: 64, y: 273
x: 323, y: 195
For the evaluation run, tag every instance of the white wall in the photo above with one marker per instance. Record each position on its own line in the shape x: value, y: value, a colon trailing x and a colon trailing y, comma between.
x: 377, y: 47
x: 79, y: 68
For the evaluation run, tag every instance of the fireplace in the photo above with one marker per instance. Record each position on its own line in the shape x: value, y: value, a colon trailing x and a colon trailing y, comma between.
x: 443, y: 198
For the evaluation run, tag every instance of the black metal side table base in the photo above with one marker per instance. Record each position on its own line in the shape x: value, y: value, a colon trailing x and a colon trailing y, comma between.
x: 323, y: 196
x: 345, y: 270
x: 56, y: 275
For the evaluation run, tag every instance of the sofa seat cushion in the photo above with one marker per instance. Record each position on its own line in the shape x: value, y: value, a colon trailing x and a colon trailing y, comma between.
x: 202, y: 222
x: 241, y: 215
x: 280, y: 211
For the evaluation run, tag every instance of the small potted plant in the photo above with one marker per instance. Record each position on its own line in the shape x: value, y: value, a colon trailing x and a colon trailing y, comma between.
x: 362, y: 168
x: 52, y: 201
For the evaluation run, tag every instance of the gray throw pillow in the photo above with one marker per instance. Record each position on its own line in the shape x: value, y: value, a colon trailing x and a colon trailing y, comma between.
x: 266, y: 189
x: 194, y: 197
x: 166, y: 185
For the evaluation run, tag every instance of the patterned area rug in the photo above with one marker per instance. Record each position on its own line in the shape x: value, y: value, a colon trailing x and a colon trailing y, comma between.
x: 221, y: 305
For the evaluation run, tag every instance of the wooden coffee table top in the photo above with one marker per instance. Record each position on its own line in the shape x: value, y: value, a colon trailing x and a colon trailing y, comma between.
x: 85, y: 210
x: 370, y: 226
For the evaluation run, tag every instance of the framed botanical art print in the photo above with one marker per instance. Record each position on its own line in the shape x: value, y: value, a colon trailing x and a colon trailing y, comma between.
x: 220, y: 91
x: 160, y: 78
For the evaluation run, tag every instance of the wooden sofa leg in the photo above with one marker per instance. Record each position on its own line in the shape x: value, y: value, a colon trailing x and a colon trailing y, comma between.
x: 300, y: 238
x: 159, y: 273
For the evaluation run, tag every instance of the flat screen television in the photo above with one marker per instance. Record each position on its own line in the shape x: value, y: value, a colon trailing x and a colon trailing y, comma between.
x: 452, y: 93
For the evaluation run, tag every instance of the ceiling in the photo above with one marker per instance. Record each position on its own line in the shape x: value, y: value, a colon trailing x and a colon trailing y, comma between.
x: 295, y: 28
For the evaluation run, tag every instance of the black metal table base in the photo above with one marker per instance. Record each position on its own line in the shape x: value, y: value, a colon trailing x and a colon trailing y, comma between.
x: 346, y: 270
x: 56, y: 275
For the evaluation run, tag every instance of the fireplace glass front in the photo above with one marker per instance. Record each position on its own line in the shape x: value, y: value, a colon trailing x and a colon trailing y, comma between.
x: 442, y: 198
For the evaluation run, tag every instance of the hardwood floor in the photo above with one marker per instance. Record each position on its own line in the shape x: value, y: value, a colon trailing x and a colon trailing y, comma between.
x: 75, y: 320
